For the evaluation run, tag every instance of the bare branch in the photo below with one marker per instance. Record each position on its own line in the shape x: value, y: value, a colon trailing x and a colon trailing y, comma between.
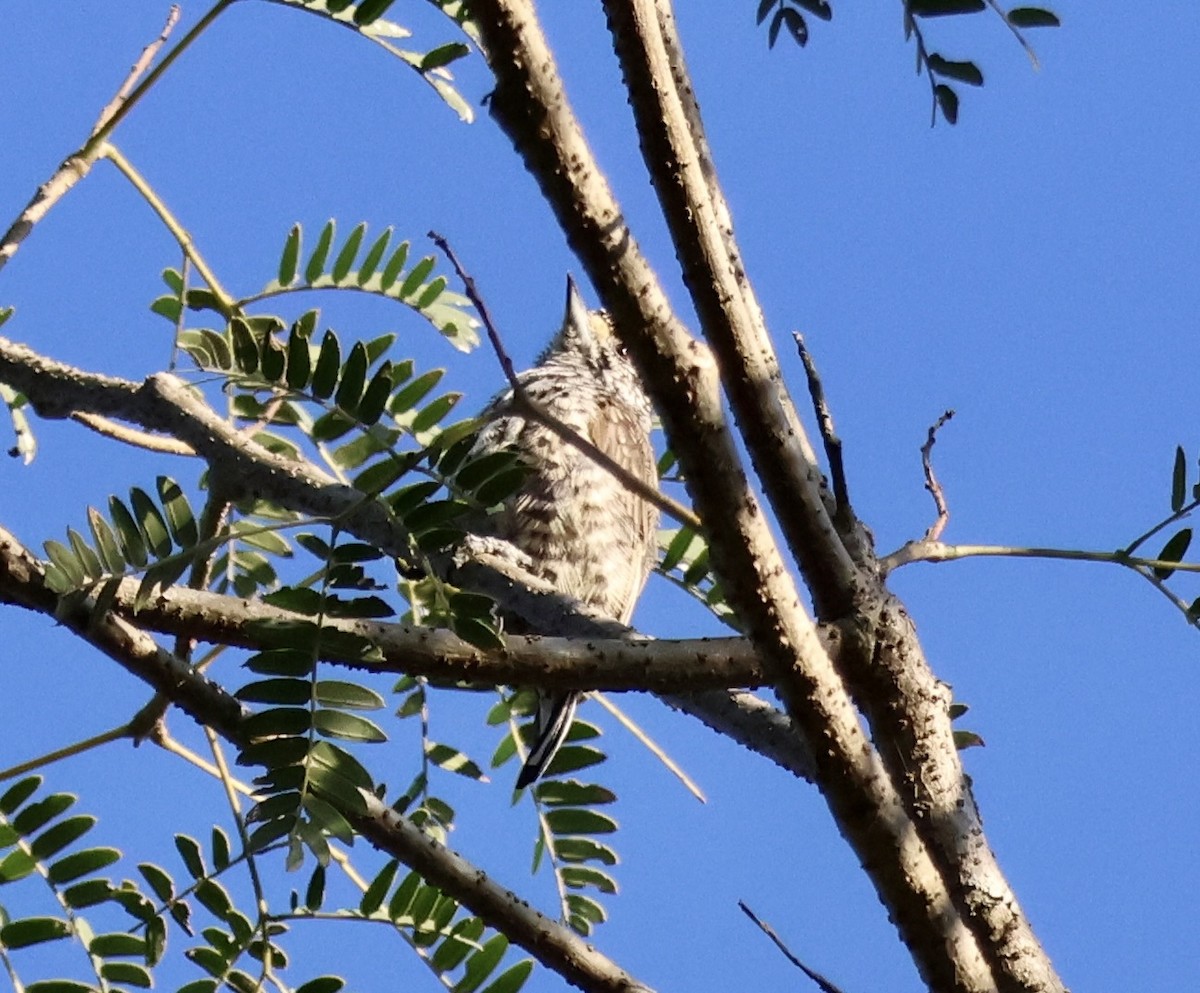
x: 554, y: 944
x: 843, y: 514
x: 822, y: 983
x: 138, y: 69
x: 931, y: 480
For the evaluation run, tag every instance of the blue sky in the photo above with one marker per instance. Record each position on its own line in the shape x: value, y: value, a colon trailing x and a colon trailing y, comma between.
x: 1034, y: 268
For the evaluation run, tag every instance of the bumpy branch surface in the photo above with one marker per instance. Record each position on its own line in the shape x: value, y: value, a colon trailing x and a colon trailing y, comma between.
x: 22, y: 581
x: 530, y: 104
x: 164, y: 403
x: 888, y: 673
x: 677, y: 158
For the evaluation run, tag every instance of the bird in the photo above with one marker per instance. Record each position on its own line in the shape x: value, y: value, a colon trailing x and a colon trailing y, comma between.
x: 576, y: 525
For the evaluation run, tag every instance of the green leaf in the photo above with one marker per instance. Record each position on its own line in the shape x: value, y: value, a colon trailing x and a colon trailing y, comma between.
x: 1179, y: 481
x: 158, y: 879
x: 511, y: 979
x: 416, y: 276
x: 329, y: 364
x: 117, y: 945
x: 482, y: 964
x: 345, y: 258
x: 106, y: 543
x: 84, y: 555
x: 351, y: 727
x: 964, y: 72
x: 299, y: 360
x: 452, y: 760
x: 443, y: 55
x: 415, y: 391
x: 38, y: 814
x: 33, y: 931
x: 947, y: 101
x: 372, y: 898
x: 579, y: 876
x: 90, y: 860
x: 18, y: 793
x: 764, y: 8
x: 190, y: 851
x: 323, y: 984
x: 290, y: 259
x: 351, y: 696
x: 316, y: 263
x: 1033, y: 17
x: 394, y: 267
x: 1174, y: 551
x: 944, y: 8
x: 278, y: 691
x: 376, y: 396
x: 569, y: 820
x: 374, y: 255
x: 59, y: 986
x: 129, y: 973
x: 180, y: 518
x: 245, y: 348
x: 433, y: 412
x: 353, y: 379
x: 16, y: 865
x: 150, y: 523
x: 55, y: 839
x: 66, y: 561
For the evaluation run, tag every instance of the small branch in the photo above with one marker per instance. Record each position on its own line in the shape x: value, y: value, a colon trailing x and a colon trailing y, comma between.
x: 650, y: 494
x: 178, y: 231
x: 1179, y: 515
x: 78, y: 748
x: 139, y: 68
x: 131, y: 436
x: 936, y: 551
x: 931, y: 480
x: 79, y: 163
x: 830, y: 440
x: 824, y: 984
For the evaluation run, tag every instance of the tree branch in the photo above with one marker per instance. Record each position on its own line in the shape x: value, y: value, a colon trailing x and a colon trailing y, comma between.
x: 529, y: 103
x: 553, y: 944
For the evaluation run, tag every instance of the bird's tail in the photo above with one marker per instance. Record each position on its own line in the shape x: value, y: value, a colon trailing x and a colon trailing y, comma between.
x: 555, y: 714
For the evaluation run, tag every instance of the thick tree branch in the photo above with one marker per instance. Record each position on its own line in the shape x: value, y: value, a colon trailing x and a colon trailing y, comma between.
x: 531, y: 106
x: 555, y: 945
x: 909, y: 718
x: 60, y: 390
x: 681, y: 168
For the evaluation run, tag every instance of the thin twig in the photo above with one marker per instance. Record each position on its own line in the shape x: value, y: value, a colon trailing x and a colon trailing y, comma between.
x: 139, y: 68
x: 931, y: 480
x: 131, y: 436
x: 650, y: 494
x: 825, y: 985
x: 653, y: 746
x: 79, y: 163
x: 829, y: 438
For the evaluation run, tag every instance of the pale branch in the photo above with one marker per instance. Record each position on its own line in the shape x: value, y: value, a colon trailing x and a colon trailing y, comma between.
x: 931, y: 480
x: 552, y: 943
x: 79, y: 163
x: 526, y: 404
x: 164, y: 403
x: 684, y: 175
x: 181, y: 235
x: 911, y: 731
x: 530, y: 104
x: 938, y: 551
x: 130, y: 436
x: 440, y: 655
x: 138, y: 69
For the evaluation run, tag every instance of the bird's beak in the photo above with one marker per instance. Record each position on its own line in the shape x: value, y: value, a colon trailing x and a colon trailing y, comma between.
x: 577, y: 312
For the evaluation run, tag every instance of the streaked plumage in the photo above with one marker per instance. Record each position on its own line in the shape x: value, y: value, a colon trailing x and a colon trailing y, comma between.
x: 581, y: 528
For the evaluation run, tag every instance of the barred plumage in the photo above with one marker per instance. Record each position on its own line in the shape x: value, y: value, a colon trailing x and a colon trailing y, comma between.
x: 581, y: 528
